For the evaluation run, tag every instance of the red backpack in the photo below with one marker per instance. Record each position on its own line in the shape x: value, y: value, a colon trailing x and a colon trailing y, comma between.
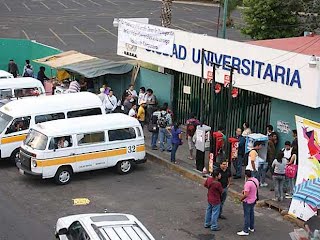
x: 191, y: 128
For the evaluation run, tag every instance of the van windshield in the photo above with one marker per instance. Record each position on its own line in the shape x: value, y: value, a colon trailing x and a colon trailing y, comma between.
x: 36, y: 140
x: 4, y: 121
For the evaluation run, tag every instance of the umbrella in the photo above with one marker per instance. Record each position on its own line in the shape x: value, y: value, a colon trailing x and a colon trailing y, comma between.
x: 309, y: 192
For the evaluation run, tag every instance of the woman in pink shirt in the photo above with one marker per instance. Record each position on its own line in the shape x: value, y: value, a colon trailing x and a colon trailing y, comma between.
x: 248, y: 199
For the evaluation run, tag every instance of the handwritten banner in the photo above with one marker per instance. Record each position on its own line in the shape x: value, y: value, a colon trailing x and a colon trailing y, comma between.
x: 146, y: 36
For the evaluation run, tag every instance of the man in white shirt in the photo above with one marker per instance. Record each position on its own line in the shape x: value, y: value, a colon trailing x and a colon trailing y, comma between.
x: 132, y: 112
x: 287, y: 150
x: 110, y: 102
x: 132, y: 92
x: 142, y: 95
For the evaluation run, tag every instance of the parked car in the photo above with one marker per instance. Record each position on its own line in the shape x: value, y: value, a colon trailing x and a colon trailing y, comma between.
x: 101, y: 226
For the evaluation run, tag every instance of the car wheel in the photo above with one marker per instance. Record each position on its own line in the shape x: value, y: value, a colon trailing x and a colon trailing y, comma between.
x: 14, y: 158
x: 124, y: 167
x: 63, y: 175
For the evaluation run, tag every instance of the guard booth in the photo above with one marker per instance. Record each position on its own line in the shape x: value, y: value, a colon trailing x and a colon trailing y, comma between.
x: 202, y: 145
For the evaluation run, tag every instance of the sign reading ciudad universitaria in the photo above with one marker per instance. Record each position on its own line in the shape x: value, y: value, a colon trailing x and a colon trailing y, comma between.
x: 306, y: 195
x: 276, y: 73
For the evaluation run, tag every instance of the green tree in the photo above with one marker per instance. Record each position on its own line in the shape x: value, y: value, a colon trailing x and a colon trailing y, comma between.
x: 310, y: 15
x: 268, y: 19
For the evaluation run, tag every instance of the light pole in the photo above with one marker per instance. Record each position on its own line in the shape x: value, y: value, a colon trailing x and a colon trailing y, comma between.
x: 224, y: 23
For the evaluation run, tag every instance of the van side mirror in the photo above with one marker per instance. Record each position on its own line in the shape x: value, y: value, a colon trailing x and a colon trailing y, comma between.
x: 63, y: 231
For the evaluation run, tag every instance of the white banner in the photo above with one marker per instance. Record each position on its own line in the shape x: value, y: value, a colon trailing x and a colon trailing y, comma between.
x: 146, y: 36
x: 307, y: 190
x: 275, y: 73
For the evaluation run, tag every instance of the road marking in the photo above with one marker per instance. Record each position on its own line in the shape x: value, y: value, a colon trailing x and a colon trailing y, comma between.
x: 205, y: 20
x: 27, y: 37
x: 95, y: 3
x: 195, y: 24
x: 80, y: 201
x: 57, y: 36
x: 45, y: 5
x: 26, y: 6
x: 79, y: 3
x: 106, y: 30
x: 83, y: 34
x: 180, y: 28
x: 9, y: 9
x: 63, y: 5
x: 111, y: 2
x: 186, y: 8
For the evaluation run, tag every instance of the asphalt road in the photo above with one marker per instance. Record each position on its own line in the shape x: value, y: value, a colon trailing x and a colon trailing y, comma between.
x: 86, y: 25
x: 170, y: 206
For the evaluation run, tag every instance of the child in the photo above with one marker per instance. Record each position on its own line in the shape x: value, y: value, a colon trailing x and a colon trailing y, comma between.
x: 214, y: 201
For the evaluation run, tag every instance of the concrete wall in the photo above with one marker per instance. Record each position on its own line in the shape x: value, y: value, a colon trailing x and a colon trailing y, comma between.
x: 20, y: 50
x: 286, y: 111
x: 161, y: 84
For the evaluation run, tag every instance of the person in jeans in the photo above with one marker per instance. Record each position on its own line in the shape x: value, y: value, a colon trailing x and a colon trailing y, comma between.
x: 248, y: 199
x: 176, y: 134
x: 237, y: 163
x: 154, y: 129
x: 191, y: 124
x: 253, y: 161
x: 279, y: 166
x: 164, y: 123
x: 225, y: 181
x: 214, y: 200
x: 291, y: 181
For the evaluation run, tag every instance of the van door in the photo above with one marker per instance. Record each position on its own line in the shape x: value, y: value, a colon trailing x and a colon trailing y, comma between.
x: 61, y: 151
x: 14, y: 135
x: 91, y: 151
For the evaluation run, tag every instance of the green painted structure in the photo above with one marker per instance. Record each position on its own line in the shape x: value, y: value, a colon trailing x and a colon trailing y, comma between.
x: 283, y: 114
x: 20, y: 50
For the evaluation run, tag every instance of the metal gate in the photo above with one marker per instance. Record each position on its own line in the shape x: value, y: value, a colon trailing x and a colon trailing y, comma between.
x: 248, y: 107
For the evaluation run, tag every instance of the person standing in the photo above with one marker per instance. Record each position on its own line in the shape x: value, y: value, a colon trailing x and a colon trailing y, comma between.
x: 142, y: 95
x: 295, y: 139
x: 28, y: 72
x: 191, y: 124
x: 291, y: 179
x: 151, y: 102
x: 176, y: 141
x: 110, y: 102
x: 287, y: 150
x: 237, y: 163
x: 271, y: 154
x: 132, y: 92
x: 164, y: 122
x: 225, y: 181
x: 27, y: 65
x: 214, y: 200
x: 246, y: 129
x: 42, y: 76
x: 279, y: 166
x: 141, y: 113
x: 74, y: 86
x: 153, y: 127
x: 102, y: 96
x: 127, y: 104
x: 253, y: 159
x: 13, y: 68
x: 248, y: 199
x: 132, y: 112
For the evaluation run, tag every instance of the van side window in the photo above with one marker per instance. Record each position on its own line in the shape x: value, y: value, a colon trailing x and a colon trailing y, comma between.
x: 121, y: 134
x: 49, y: 117
x: 76, y: 231
x: 60, y: 142
x: 27, y: 92
x: 90, y: 138
x: 19, y: 124
x: 85, y: 112
x: 5, y: 93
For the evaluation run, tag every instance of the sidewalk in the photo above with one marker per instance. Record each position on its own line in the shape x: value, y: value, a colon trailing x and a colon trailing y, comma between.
x: 187, y: 168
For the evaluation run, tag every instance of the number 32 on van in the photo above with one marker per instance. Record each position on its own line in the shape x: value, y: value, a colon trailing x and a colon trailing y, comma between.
x: 131, y: 149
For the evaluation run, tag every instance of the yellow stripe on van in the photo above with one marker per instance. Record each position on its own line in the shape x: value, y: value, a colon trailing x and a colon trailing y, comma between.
x: 86, y: 156
x: 17, y: 138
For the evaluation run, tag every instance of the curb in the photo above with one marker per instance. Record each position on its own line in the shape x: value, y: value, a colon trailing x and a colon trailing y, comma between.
x: 231, y: 192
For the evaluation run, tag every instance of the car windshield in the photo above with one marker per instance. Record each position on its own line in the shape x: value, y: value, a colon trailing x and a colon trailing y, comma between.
x: 36, y: 140
x: 4, y: 121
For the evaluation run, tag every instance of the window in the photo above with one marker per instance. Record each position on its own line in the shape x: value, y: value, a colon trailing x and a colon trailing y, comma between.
x: 49, y: 117
x: 19, y: 124
x: 60, y: 142
x: 36, y: 140
x: 77, y: 232
x: 85, y: 112
x: 27, y: 92
x: 5, y: 93
x: 4, y: 121
x: 121, y: 134
x: 90, y: 138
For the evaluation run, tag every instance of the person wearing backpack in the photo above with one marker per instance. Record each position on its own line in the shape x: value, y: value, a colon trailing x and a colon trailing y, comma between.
x: 250, y: 196
x: 191, y: 124
x: 252, y: 159
x: 164, y: 122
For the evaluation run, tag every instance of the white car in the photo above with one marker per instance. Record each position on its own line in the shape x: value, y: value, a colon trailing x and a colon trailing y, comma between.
x: 101, y: 226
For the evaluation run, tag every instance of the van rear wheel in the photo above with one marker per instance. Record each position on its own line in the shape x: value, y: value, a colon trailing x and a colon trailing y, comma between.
x: 124, y: 167
x: 63, y: 175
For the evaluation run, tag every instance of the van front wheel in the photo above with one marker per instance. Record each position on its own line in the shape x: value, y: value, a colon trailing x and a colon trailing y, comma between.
x: 63, y: 175
x: 124, y: 167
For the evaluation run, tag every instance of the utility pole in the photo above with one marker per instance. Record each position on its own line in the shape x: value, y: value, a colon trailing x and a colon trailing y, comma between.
x: 218, y: 22
x: 224, y: 23
x: 202, y: 85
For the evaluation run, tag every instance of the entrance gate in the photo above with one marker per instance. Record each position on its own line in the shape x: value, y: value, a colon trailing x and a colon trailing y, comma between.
x: 248, y: 107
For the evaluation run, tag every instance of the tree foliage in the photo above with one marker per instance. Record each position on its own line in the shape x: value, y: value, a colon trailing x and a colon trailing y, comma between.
x: 268, y: 19
x: 310, y: 15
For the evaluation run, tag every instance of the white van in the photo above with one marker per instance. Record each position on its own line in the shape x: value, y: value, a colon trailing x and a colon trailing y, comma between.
x: 60, y: 148
x: 17, y: 117
x: 17, y: 88
x: 5, y: 75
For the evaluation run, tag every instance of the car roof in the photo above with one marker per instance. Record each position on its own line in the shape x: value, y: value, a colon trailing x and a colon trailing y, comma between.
x: 86, y: 124
x: 5, y: 74
x: 50, y: 104
x: 21, y: 82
